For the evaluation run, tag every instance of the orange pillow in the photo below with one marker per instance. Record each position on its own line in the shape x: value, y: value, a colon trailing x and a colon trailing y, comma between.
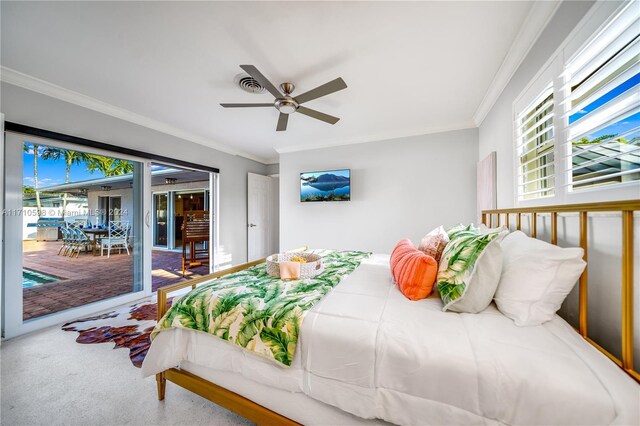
x: 413, y: 271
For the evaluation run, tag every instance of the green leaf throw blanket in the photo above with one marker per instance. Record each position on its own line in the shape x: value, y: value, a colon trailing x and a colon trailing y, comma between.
x: 255, y: 311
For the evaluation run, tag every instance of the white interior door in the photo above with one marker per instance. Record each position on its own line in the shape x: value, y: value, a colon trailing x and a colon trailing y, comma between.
x: 259, y: 220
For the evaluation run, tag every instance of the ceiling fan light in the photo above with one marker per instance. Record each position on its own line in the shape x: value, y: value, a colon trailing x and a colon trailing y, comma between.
x: 287, y: 109
x: 286, y: 105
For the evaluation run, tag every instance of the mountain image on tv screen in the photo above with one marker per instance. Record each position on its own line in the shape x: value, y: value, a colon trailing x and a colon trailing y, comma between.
x: 334, y: 185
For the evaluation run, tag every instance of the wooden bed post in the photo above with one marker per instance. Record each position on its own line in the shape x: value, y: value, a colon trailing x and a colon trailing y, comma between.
x: 627, y: 290
x: 162, y: 385
x: 534, y: 225
x: 583, y: 284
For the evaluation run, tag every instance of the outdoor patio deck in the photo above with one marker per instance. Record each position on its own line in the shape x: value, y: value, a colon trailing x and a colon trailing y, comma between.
x: 89, y: 278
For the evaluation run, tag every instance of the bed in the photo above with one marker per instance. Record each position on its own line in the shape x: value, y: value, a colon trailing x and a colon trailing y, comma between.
x: 367, y: 355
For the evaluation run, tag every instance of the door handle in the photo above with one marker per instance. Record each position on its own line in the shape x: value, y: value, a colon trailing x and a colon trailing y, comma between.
x: 147, y: 219
x: 251, y: 225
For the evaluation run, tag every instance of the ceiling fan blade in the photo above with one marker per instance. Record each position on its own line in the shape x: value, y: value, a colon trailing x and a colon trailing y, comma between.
x: 253, y: 72
x: 245, y: 105
x: 318, y: 115
x: 282, y: 122
x: 325, y: 89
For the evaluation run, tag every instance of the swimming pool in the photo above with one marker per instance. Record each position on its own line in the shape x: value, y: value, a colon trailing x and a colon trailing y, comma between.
x: 33, y: 278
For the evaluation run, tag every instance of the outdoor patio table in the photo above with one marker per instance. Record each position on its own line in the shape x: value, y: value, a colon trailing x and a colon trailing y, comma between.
x: 94, y: 233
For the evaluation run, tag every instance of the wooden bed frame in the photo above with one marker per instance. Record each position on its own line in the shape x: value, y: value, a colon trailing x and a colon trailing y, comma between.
x: 626, y: 208
x: 263, y: 416
x: 214, y: 393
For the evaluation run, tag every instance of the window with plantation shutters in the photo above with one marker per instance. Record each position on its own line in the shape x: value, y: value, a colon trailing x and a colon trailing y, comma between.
x: 577, y: 123
x: 602, y: 104
x: 535, y: 147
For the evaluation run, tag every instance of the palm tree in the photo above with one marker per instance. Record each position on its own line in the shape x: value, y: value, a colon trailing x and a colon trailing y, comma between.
x: 108, y: 166
x: 70, y: 158
x: 36, y: 148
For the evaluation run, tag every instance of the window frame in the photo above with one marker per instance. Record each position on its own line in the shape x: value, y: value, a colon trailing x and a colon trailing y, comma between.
x: 547, y: 76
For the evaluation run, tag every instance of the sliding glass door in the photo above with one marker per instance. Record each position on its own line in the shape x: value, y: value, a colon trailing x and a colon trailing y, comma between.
x: 65, y: 204
x: 109, y: 209
x: 181, y: 196
x: 74, y: 231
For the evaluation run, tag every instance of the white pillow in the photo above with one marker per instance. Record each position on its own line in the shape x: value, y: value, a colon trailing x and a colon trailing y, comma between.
x: 484, y: 229
x: 536, y: 278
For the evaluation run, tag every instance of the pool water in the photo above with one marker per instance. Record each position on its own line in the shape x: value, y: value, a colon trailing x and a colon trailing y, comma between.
x: 32, y: 279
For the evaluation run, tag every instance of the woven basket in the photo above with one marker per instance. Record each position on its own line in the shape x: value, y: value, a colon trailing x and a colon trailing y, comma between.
x: 310, y: 269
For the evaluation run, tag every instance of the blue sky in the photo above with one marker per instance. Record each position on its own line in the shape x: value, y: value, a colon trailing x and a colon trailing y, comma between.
x: 616, y: 91
x: 344, y: 173
x: 618, y: 128
x: 51, y: 172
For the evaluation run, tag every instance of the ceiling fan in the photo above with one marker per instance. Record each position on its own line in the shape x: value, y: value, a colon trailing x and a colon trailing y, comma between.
x: 287, y: 104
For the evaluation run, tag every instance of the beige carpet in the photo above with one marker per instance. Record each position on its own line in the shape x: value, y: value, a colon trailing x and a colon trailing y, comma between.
x: 46, y: 378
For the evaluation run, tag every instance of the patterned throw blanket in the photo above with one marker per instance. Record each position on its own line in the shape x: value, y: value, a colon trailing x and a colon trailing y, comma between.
x: 255, y: 311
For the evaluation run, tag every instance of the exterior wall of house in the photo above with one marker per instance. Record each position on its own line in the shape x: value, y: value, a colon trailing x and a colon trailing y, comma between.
x: 126, y: 204
x: 181, y: 186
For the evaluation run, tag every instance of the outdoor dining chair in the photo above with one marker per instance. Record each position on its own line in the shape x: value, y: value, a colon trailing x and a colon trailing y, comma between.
x: 66, y: 241
x: 80, y: 240
x: 118, y: 238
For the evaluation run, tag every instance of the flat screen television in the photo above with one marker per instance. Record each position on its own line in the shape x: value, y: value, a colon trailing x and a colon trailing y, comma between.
x: 329, y: 185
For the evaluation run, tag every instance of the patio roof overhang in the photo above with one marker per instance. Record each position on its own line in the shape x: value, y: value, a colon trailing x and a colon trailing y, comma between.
x: 125, y: 181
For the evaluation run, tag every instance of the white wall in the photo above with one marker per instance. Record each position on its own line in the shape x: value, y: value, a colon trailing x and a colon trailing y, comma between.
x: 33, y: 109
x: 400, y: 188
x: 496, y: 134
x: 273, y: 169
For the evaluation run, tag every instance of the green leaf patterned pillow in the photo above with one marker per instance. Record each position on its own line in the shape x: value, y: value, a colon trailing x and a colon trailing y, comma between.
x: 470, y: 268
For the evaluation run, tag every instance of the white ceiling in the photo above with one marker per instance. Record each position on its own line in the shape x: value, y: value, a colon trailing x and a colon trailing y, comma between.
x: 411, y: 68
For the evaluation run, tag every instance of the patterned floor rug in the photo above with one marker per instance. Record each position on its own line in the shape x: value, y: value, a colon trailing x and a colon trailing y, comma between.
x: 127, y: 327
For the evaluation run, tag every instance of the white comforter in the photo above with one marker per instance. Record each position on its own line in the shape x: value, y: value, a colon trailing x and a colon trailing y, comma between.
x: 369, y: 351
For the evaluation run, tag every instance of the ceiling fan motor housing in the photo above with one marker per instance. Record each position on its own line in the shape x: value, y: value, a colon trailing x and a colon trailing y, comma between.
x: 287, y: 88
